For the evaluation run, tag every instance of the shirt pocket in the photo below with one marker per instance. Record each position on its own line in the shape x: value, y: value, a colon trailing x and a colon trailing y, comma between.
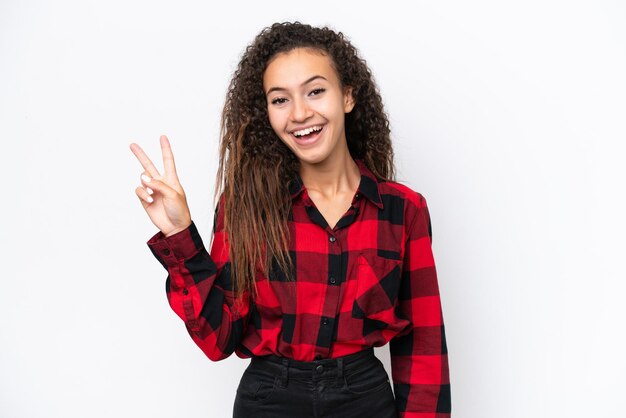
x: 378, y: 283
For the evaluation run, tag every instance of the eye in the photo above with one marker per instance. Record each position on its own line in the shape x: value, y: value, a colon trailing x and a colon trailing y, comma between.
x: 279, y: 100
x: 318, y: 91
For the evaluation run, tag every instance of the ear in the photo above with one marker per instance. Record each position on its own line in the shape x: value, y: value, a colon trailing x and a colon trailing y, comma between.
x: 348, y: 100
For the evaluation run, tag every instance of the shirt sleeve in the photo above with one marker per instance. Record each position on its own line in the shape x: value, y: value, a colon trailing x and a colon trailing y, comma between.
x: 419, y: 358
x: 199, y: 287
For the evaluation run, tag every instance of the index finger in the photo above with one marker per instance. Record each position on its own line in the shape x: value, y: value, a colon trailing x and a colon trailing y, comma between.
x: 144, y: 160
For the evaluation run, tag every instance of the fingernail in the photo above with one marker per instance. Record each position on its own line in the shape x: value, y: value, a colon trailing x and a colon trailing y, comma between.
x: 149, y: 190
x: 146, y: 178
x: 150, y: 199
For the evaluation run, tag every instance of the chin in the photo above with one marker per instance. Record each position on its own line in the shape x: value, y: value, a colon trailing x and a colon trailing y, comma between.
x: 311, y: 158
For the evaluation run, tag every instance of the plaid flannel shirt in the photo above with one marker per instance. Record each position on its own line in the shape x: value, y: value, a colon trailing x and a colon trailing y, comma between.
x: 367, y: 281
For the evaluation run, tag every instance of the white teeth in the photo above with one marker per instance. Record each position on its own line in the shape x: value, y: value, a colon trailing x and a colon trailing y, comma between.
x: 307, y: 130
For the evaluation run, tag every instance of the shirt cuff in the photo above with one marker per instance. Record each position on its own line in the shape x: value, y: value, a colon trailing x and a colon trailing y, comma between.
x: 181, y: 246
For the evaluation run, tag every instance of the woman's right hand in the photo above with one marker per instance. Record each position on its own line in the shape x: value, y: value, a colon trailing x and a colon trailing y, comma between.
x: 168, y: 209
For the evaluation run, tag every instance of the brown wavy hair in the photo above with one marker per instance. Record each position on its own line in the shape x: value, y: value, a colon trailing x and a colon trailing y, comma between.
x: 255, y: 166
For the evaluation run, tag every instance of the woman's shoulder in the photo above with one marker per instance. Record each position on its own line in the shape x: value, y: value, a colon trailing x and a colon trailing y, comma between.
x: 412, y: 204
x: 403, y: 191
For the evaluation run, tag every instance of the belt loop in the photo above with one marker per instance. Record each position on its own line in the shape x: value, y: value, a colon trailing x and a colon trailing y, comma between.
x: 285, y: 374
x: 340, y: 370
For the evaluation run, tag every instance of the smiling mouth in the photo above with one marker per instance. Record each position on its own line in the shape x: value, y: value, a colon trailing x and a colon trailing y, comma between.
x: 309, y: 137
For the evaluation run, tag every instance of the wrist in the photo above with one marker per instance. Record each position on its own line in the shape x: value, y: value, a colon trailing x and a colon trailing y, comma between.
x: 176, y: 231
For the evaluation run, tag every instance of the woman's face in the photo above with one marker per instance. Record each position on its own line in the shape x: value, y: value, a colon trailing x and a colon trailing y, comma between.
x: 303, y: 91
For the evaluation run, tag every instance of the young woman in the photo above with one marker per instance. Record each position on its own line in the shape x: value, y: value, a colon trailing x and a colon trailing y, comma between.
x: 318, y: 255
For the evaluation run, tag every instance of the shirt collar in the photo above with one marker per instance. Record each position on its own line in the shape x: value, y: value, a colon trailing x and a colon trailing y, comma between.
x: 368, y: 186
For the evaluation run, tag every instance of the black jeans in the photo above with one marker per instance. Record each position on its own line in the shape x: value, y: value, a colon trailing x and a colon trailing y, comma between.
x: 353, y: 386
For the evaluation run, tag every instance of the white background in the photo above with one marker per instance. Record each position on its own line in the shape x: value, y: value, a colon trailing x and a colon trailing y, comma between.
x: 508, y: 116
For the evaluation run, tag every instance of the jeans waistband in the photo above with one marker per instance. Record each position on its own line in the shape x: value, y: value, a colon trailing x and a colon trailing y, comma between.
x: 316, y: 368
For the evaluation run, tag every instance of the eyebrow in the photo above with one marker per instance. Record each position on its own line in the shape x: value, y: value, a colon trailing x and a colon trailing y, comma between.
x: 315, y: 77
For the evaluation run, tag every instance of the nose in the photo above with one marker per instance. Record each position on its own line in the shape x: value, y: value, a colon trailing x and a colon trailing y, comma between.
x: 300, y: 110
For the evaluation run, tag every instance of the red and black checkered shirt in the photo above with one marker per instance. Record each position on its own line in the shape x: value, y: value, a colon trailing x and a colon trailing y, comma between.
x: 367, y: 281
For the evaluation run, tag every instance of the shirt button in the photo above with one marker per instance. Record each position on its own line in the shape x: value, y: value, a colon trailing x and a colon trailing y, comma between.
x: 325, y: 321
x: 331, y: 239
x: 185, y: 292
x: 166, y: 251
x: 356, y: 196
x: 332, y: 280
x: 319, y: 369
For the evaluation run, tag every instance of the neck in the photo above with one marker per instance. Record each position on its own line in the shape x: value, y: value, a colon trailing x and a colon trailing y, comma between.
x: 336, y: 175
